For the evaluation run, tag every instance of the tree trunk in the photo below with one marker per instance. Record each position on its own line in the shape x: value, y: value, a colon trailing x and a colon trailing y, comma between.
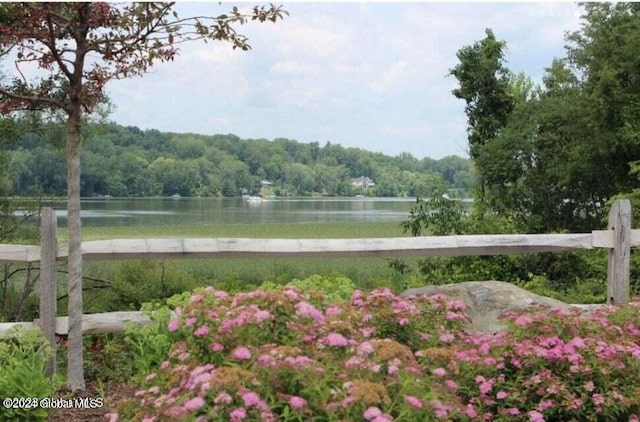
x: 75, y: 371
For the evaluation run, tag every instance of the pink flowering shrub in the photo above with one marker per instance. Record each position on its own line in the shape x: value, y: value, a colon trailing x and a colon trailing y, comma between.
x: 294, y: 356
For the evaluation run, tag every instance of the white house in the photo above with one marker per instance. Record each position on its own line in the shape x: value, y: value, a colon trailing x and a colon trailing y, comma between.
x: 362, y: 182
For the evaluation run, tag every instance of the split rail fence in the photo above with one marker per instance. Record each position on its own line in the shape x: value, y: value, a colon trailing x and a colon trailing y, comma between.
x: 619, y: 238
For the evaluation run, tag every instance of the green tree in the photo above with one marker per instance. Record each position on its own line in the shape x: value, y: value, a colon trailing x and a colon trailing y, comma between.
x: 604, y: 53
x: 485, y: 87
x: 81, y: 47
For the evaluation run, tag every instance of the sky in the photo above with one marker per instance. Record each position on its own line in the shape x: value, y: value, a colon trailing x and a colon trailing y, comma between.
x: 368, y: 75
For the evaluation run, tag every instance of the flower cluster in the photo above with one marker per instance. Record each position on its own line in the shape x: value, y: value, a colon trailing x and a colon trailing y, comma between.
x: 292, y: 355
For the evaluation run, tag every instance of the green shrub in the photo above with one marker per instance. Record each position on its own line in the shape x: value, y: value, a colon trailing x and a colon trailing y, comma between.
x: 336, y: 288
x: 23, y: 355
x: 136, y: 282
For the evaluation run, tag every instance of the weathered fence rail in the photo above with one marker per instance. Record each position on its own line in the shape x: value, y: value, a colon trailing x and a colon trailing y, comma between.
x: 465, y: 245
x: 618, y: 239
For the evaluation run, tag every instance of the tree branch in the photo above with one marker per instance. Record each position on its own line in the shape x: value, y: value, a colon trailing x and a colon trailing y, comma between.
x: 51, y: 45
x: 30, y: 99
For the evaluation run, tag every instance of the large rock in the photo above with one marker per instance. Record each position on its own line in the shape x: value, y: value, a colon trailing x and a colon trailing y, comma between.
x: 487, y: 300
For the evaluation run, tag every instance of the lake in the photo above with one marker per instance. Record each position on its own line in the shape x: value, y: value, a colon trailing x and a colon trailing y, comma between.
x: 210, y: 211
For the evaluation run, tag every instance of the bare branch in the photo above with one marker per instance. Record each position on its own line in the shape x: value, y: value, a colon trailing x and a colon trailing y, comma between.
x: 54, y: 51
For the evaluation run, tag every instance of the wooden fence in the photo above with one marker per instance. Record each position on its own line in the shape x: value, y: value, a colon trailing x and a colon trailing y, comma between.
x: 619, y: 238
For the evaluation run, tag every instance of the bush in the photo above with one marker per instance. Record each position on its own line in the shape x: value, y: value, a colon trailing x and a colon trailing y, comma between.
x: 292, y: 356
x: 335, y: 288
x: 23, y: 355
x: 138, y: 282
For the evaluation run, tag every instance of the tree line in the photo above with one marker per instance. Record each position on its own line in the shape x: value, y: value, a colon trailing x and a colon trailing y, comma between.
x: 127, y: 161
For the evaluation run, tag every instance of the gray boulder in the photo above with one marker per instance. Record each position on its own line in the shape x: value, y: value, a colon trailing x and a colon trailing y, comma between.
x: 487, y: 300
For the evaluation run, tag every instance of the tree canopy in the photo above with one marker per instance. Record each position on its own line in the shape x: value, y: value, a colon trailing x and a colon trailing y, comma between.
x: 553, y: 155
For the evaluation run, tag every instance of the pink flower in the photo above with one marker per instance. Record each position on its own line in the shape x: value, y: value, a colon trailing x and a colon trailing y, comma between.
x: 251, y: 399
x: 441, y: 410
x: 216, y: 347
x: 365, y: 348
x: 598, y: 399
x: 403, y: 321
x: 241, y: 353
x: 262, y: 316
x: 154, y: 390
x: 544, y: 405
x: 535, y: 416
x: 307, y: 310
x: 190, y: 321
x: 575, y: 404
x: 196, y: 298
x: 223, y: 397
x: 456, y: 305
x: 523, y: 320
x: 382, y: 418
x: 164, y: 365
x: 447, y: 338
x: 221, y: 294
x: 238, y: 414
x: 297, y: 402
x: 150, y: 377
x: 201, y: 331
x: 336, y: 339
x: 371, y: 413
x: 194, y: 403
x: 414, y: 401
x: 333, y: 311
x: 173, y: 325
x: 501, y: 395
x: 439, y: 372
x: 470, y: 411
x: 451, y: 384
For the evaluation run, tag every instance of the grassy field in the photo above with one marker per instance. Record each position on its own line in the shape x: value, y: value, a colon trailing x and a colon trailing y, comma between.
x: 148, y: 278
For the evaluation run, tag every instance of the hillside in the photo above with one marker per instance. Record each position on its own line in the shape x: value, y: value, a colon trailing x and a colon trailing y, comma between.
x: 126, y: 161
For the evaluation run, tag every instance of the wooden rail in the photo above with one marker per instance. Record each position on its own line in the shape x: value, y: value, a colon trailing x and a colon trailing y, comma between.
x: 464, y: 245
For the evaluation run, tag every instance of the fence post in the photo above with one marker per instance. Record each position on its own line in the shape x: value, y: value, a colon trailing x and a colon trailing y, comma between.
x: 619, y: 265
x: 48, y: 287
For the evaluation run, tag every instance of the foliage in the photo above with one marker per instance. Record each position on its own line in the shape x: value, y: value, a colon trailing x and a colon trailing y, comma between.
x: 23, y: 355
x: 440, y: 214
x: 126, y: 161
x: 555, y: 154
x: 289, y: 355
x: 136, y: 282
x: 485, y: 88
x: 336, y: 289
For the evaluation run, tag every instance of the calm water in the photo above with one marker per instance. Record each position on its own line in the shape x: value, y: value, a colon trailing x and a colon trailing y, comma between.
x: 208, y: 211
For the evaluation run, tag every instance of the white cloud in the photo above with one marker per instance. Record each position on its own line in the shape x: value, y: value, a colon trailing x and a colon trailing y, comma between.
x: 371, y: 75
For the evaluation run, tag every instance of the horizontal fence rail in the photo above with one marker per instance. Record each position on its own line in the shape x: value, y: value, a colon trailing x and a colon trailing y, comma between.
x: 99, y: 323
x: 462, y: 245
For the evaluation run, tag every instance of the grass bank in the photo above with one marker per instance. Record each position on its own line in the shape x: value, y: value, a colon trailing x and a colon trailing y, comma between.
x: 132, y: 282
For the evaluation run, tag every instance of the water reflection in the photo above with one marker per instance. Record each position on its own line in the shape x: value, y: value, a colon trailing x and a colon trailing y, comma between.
x: 208, y: 211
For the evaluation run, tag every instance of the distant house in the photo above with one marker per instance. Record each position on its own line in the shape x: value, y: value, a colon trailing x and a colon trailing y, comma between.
x: 362, y: 182
x: 266, y: 183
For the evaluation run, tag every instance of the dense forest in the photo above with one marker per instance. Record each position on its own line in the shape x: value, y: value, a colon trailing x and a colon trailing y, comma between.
x: 126, y: 161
